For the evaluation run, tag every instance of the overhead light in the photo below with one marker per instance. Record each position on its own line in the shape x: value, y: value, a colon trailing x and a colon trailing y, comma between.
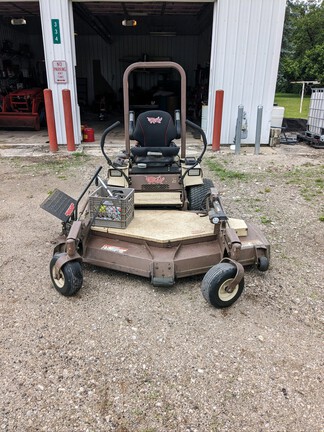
x: 129, y: 23
x: 18, y: 21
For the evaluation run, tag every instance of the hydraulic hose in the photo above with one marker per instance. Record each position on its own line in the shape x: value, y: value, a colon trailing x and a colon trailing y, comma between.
x: 199, y: 158
x: 102, y: 145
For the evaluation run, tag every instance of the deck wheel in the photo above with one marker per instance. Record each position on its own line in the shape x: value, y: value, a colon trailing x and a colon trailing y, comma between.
x: 70, y: 276
x: 215, y: 284
x: 263, y: 263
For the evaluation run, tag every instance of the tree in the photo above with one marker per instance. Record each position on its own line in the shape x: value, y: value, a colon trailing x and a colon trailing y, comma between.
x: 302, y: 52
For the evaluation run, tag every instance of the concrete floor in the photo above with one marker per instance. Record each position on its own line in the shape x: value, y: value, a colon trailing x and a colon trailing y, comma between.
x: 35, y: 143
x: 18, y: 143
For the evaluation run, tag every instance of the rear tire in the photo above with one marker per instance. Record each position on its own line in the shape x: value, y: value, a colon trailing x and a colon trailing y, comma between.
x: 215, y: 283
x: 197, y: 195
x: 70, y: 277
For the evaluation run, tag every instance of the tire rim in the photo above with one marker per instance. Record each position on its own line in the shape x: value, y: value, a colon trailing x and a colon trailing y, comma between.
x: 59, y: 282
x: 223, y: 294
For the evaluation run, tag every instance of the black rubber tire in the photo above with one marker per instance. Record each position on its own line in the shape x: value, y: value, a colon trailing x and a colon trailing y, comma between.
x: 197, y: 194
x: 214, y: 285
x: 71, y: 277
x: 263, y: 264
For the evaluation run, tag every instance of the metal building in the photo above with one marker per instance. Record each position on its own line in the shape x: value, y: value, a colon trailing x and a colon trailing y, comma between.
x: 233, y: 45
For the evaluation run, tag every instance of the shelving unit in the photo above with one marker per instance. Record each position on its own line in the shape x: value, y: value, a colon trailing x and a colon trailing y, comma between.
x: 14, y: 67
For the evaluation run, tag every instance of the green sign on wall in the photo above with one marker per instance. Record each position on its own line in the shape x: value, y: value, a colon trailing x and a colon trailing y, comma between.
x: 56, y: 31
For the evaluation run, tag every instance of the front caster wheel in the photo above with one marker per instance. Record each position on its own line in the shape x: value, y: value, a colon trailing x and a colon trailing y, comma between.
x: 69, y: 279
x: 263, y: 263
x: 215, y: 284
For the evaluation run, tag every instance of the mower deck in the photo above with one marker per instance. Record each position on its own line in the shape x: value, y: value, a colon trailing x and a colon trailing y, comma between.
x: 167, y: 244
x: 163, y: 226
x: 157, y: 244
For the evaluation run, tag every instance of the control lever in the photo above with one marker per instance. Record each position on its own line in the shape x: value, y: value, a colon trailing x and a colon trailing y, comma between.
x: 216, y: 213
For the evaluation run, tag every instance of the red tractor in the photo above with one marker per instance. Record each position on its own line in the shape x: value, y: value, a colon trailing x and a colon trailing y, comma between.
x: 22, y: 109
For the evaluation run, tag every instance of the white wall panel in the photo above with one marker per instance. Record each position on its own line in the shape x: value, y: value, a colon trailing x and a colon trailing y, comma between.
x: 65, y: 50
x: 244, y: 62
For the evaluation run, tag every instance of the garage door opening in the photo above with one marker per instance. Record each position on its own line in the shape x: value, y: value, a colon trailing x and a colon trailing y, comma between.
x: 105, y: 47
x: 22, y: 68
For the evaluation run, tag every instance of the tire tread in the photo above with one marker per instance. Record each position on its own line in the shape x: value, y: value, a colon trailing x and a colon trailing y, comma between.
x: 197, y: 193
x: 220, y: 272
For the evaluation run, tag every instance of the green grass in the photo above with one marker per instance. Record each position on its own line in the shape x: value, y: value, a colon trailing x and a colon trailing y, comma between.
x: 59, y: 164
x: 291, y: 103
x: 224, y: 173
x: 265, y: 220
x: 309, y: 179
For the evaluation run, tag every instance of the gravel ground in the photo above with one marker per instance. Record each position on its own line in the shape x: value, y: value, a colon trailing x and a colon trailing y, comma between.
x: 126, y: 357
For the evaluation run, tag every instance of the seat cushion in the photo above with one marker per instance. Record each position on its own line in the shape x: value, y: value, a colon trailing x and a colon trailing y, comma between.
x: 145, y: 151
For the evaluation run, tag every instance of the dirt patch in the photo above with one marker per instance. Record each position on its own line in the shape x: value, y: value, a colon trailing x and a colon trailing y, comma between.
x: 124, y: 356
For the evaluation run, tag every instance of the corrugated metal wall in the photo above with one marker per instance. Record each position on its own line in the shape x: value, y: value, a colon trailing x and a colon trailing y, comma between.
x: 124, y: 50
x: 62, y: 11
x: 17, y: 38
x: 7, y: 32
x: 32, y: 67
x: 244, y: 62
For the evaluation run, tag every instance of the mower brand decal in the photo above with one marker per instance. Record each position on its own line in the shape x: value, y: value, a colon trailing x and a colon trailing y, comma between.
x: 154, y: 180
x: 114, y: 249
x: 248, y: 245
x: 154, y: 120
x: 70, y: 210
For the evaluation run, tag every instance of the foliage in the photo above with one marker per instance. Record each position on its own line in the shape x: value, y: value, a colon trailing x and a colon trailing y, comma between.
x: 313, y: 62
x: 302, y: 52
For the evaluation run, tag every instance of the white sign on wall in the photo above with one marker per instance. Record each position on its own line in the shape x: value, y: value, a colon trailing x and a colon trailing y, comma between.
x: 60, y: 71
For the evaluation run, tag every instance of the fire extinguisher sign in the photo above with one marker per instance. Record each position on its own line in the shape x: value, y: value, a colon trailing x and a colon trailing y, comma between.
x: 60, y: 71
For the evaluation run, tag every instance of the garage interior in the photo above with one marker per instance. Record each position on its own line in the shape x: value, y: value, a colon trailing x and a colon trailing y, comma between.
x: 109, y: 36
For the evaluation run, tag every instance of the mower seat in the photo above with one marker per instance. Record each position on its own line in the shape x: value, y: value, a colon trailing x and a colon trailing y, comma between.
x: 154, y: 132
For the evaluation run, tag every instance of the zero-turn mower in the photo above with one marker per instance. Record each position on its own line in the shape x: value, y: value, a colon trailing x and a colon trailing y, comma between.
x: 155, y: 215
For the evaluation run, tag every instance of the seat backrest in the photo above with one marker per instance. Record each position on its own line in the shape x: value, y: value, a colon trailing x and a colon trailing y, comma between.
x: 154, y: 129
